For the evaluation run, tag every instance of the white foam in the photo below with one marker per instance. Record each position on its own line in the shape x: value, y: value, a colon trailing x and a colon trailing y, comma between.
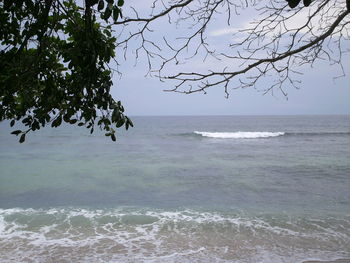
x: 2, y: 225
x: 176, y: 236
x: 239, y: 135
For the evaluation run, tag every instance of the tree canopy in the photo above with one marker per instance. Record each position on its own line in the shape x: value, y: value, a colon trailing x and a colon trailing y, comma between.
x: 54, y: 64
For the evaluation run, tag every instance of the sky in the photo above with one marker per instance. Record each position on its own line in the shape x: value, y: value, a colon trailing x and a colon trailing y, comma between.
x: 319, y: 92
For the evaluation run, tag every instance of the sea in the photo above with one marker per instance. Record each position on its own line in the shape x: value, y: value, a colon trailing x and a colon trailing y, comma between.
x: 240, y: 189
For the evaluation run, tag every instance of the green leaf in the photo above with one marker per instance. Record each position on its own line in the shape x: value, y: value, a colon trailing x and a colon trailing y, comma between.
x: 26, y: 121
x: 127, y: 123
x: 29, y: 4
x: 113, y: 137
x: 23, y: 138
x: 35, y: 126
x: 307, y: 2
x: 107, y: 13
x: 115, y: 13
x: 16, y: 132
x: 66, y: 118
x: 12, y: 123
x: 115, y: 115
x: 120, y: 122
x: 101, y: 5
x: 57, y: 122
x: 293, y: 3
x: 120, y: 2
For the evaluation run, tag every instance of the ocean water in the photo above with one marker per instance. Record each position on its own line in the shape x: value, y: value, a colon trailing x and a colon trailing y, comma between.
x: 240, y: 189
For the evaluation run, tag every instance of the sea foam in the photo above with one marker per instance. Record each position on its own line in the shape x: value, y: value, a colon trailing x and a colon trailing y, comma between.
x: 239, y: 135
x: 153, y: 235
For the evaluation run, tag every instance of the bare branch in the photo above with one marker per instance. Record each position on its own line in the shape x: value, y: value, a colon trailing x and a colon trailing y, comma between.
x: 274, y: 45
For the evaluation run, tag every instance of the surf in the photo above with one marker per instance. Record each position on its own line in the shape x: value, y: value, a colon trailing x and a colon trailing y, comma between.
x: 239, y: 135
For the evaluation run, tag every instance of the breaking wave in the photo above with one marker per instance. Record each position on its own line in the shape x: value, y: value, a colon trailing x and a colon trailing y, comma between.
x: 258, y: 135
x: 239, y: 135
x: 133, y: 235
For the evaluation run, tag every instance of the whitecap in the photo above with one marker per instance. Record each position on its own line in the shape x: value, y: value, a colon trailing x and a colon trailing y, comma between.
x: 239, y: 135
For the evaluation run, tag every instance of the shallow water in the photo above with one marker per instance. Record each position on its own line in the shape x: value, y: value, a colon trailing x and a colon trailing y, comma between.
x: 179, y: 189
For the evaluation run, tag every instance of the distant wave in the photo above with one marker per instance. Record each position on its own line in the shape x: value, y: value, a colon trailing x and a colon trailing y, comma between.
x: 239, y: 135
x: 257, y: 135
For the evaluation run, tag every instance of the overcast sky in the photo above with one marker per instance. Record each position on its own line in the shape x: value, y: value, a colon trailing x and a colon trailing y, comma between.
x: 319, y: 93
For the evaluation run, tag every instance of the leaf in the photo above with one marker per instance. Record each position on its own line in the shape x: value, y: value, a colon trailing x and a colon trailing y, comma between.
x: 129, y: 121
x: 113, y: 137
x: 101, y: 5
x: 120, y: 2
x: 107, y: 13
x: 29, y: 4
x: 120, y: 122
x: 35, y: 126
x: 23, y: 138
x: 16, y: 132
x: 66, y: 118
x: 57, y: 122
x: 26, y: 121
x: 115, y: 115
x: 293, y: 3
x: 115, y: 13
x: 12, y: 123
x: 307, y: 2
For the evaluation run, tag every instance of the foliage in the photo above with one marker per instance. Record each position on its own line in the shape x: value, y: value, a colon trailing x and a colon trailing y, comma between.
x: 54, y: 64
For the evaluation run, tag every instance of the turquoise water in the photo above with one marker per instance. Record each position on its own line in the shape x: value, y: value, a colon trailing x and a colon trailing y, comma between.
x: 179, y: 189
